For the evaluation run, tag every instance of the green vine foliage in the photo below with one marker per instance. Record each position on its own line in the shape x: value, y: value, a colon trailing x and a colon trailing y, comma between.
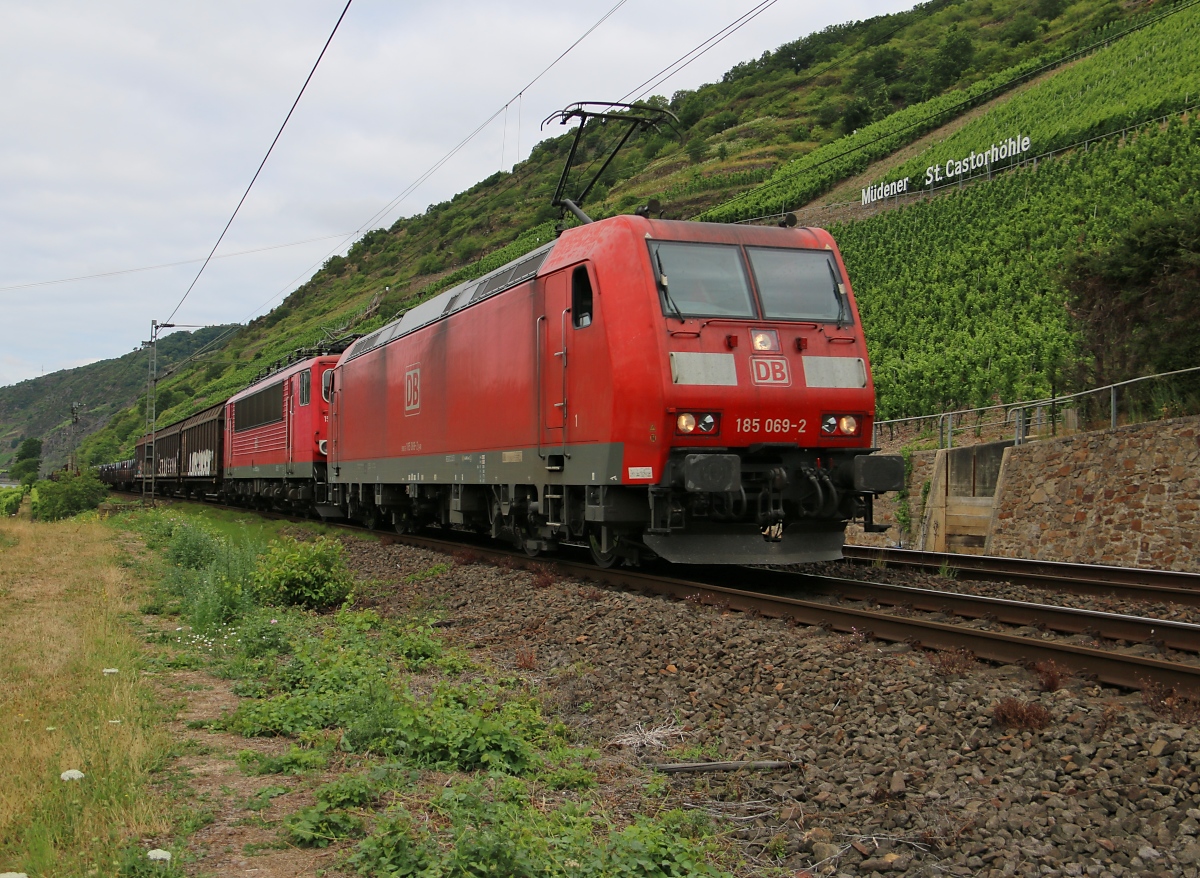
x: 960, y: 296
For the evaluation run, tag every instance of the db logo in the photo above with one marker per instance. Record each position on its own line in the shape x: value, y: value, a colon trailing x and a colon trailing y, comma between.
x: 412, y: 390
x: 770, y: 370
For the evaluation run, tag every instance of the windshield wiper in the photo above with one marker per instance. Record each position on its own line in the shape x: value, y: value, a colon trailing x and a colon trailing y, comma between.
x: 662, y: 283
x: 839, y: 293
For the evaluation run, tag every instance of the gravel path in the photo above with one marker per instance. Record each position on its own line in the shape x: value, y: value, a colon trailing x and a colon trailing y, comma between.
x: 904, y: 768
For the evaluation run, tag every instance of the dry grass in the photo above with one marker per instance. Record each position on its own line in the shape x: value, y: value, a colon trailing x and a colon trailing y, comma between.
x: 1051, y: 676
x: 63, y: 601
x: 952, y: 662
x: 1165, y: 701
x: 1013, y: 714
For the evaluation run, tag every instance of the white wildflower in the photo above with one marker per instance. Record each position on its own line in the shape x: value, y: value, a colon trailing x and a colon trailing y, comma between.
x: 160, y: 854
x: 71, y: 774
x: 50, y: 728
x: 110, y: 671
x: 114, y: 722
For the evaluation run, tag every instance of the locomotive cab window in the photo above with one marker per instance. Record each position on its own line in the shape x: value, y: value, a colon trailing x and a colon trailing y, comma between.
x: 327, y: 385
x: 305, y: 387
x: 799, y: 284
x: 581, y: 298
x: 701, y: 280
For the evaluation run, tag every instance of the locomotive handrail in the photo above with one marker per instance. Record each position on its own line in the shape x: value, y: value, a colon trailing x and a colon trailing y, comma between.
x: 563, y: 354
x: 537, y: 377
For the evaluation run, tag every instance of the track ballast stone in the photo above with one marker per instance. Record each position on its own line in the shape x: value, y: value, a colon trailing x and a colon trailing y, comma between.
x: 903, y: 767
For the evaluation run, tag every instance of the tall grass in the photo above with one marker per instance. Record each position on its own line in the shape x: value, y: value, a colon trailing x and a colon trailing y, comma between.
x: 63, y: 605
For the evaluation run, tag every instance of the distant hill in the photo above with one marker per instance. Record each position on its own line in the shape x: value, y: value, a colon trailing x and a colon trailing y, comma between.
x: 769, y: 126
x: 41, y: 407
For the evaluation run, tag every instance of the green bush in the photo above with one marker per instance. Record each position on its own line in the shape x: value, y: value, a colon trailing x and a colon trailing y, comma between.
x: 70, y: 494
x: 312, y: 575
x: 193, y: 546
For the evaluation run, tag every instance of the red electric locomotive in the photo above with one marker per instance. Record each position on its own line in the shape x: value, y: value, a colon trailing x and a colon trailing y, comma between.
x: 275, y: 436
x: 695, y: 391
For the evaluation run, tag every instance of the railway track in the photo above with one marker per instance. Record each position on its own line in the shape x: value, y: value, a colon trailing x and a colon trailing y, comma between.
x: 711, y: 587
x: 821, y: 601
x: 1094, y: 579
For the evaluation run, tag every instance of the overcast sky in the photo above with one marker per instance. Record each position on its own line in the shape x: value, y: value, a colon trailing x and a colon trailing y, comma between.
x: 130, y: 129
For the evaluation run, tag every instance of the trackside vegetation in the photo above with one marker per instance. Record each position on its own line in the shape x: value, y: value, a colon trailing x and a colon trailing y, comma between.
x: 444, y: 778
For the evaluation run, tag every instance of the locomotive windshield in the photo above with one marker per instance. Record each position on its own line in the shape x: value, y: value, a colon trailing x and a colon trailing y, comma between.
x: 798, y: 284
x: 710, y: 280
x: 701, y: 280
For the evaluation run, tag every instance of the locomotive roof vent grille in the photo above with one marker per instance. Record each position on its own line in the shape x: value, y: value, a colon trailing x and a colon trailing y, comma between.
x: 513, y: 274
x: 456, y: 298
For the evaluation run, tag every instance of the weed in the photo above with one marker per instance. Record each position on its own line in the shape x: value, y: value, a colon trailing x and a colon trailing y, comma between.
x: 569, y: 779
x: 347, y: 792
x: 1165, y: 701
x: 432, y: 573
x: 946, y: 571
x: 1013, y: 714
x: 952, y: 662
x: 262, y: 799
x: 295, y: 761
x: 1050, y: 675
x: 321, y: 825
x: 544, y: 578
x: 395, y: 847
x: 527, y: 659
x: 135, y: 862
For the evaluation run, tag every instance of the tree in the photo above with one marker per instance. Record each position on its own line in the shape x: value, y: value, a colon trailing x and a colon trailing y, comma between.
x: 1137, y: 300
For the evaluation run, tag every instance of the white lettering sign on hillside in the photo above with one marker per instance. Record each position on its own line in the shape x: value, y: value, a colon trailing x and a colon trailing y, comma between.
x: 953, y: 168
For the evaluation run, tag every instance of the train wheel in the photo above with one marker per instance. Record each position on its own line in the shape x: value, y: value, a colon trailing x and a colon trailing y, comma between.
x: 607, y: 559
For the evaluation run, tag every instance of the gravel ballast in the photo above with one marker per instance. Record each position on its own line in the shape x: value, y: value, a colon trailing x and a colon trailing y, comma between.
x: 901, y: 765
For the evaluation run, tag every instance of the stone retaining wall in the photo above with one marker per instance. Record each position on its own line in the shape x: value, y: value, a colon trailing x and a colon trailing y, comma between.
x: 1129, y: 497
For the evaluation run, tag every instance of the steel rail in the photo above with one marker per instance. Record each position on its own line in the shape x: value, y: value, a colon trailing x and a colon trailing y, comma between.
x: 1069, y: 620
x: 1130, y: 582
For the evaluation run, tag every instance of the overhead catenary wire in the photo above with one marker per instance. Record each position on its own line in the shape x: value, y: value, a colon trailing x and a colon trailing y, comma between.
x: 121, y: 271
x: 518, y: 97
x: 263, y: 163
x: 645, y: 88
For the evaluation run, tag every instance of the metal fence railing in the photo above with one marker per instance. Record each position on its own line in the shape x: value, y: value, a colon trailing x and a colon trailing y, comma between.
x: 1138, y: 400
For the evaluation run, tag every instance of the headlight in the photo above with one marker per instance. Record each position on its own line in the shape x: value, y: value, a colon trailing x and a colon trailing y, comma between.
x: 708, y: 423
x: 840, y: 425
x: 764, y: 340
